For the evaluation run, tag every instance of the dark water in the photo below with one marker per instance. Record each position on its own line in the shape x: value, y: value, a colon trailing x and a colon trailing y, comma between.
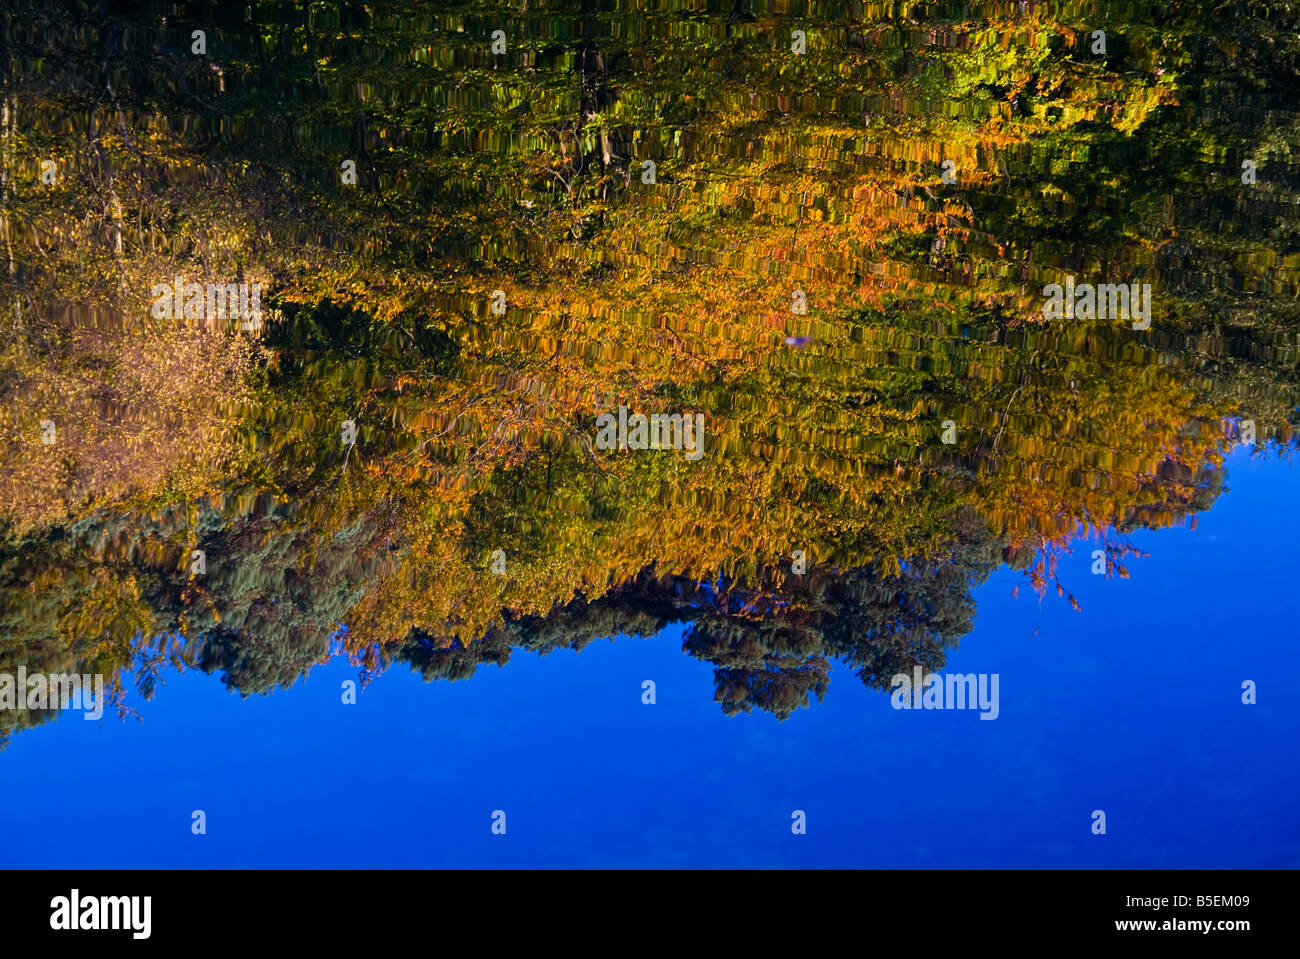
x: 832, y: 253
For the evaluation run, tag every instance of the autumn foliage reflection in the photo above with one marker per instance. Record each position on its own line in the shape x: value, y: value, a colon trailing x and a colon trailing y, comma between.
x: 527, y: 174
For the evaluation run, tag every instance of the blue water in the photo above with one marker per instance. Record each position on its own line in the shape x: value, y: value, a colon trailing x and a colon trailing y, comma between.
x: 1132, y: 706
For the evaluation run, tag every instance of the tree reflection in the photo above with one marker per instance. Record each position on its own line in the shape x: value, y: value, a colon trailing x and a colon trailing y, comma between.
x: 527, y: 173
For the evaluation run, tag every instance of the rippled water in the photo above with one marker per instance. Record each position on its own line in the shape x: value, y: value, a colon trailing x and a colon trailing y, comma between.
x: 838, y: 259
